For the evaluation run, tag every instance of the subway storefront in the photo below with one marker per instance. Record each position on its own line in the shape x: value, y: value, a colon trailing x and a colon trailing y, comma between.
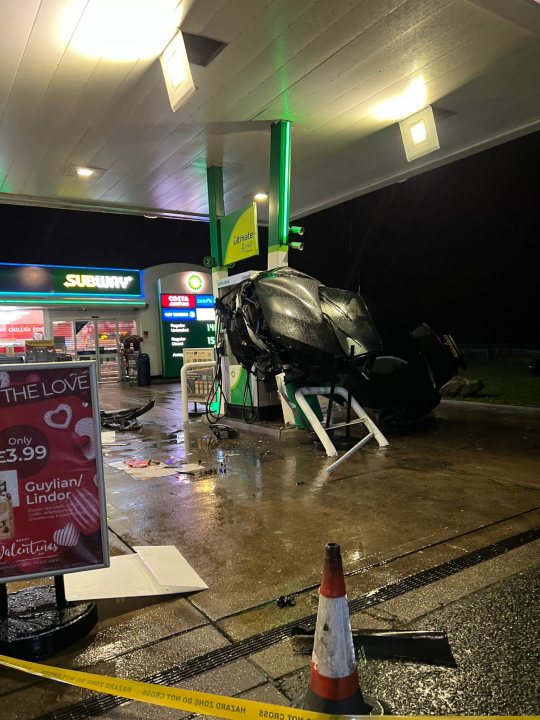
x: 54, y: 313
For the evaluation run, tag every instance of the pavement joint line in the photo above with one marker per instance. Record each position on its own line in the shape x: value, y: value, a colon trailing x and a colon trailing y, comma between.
x: 99, y: 704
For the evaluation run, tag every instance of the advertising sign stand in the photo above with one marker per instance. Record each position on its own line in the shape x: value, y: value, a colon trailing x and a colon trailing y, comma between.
x: 52, y: 502
x: 60, y: 592
x: 38, y: 622
x: 3, y: 602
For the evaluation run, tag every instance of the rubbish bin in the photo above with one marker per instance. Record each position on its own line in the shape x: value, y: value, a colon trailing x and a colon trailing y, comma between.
x: 143, y: 370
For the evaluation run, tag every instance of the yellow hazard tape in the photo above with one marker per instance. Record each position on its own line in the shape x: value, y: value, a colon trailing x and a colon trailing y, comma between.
x: 189, y: 700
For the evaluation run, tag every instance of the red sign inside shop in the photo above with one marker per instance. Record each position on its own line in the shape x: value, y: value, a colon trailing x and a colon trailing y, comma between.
x: 177, y: 301
x: 21, y: 324
x: 52, y: 500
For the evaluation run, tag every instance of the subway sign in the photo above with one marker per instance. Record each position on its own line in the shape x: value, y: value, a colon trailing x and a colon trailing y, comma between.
x: 58, y: 280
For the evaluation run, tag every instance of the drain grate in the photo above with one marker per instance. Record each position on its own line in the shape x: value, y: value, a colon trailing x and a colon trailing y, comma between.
x: 216, y: 658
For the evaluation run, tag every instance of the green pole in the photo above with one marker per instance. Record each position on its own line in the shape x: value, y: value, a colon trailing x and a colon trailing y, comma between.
x: 280, y: 182
x: 216, y: 210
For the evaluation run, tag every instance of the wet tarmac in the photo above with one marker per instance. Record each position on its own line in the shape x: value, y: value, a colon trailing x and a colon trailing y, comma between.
x: 255, y: 529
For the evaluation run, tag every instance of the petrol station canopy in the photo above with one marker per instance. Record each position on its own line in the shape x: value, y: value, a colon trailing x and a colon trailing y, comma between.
x: 76, y: 91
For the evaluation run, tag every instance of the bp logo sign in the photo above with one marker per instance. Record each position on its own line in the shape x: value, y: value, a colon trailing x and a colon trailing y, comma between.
x: 195, y: 282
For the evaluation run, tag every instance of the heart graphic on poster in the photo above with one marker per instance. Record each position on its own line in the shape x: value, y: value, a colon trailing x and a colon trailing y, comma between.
x: 59, y: 418
x: 84, y: 430
x: 84, y: 509
x: 68, y: 536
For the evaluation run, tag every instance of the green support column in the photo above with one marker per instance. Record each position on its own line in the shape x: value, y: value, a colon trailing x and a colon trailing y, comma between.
x: 279, y: 200
x: 216, y: 210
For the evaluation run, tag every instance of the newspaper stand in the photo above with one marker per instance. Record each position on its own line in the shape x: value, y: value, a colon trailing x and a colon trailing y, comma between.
x: 197, y: 381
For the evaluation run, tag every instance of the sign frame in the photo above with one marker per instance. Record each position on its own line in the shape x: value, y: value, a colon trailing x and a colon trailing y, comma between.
x: 41, y: 369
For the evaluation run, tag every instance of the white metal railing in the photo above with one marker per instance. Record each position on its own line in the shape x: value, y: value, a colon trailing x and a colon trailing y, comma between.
x: 183, y: 382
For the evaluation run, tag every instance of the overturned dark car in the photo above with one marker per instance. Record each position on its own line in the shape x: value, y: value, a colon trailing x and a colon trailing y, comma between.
x: 285, y: 321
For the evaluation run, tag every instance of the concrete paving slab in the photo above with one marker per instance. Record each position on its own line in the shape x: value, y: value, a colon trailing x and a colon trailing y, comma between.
x: 230, y: 680
x: 492, y: 534
x: 279, y: 659
x: 420, y: 602
x: 259, y: 619
x: 266, y: 693
x: 115, y: 636
x: 493, y: 633
x: 144, y: 711
x: 48, y: 696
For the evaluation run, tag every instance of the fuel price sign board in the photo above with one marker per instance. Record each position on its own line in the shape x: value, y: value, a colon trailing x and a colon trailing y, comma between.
x: 187, y: 321
x: 52, y: 498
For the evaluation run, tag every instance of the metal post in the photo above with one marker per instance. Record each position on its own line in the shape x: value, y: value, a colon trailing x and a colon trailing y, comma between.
x: 60, y: 592
x: 3, y: 601
x: 351, y: 368
x: 279, y: 200
x: 216, y: 210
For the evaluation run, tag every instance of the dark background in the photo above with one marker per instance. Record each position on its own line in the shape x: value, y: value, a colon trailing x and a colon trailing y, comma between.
x: 456, y: 247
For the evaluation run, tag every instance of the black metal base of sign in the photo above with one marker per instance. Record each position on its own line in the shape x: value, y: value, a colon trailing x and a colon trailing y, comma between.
x: 37, y: 626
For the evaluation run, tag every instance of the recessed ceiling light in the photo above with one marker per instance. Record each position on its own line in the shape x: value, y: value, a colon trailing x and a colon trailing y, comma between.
x: 260, y: 197
x: 177, y: 73
x: 84, y: 171
x: 419, y: 134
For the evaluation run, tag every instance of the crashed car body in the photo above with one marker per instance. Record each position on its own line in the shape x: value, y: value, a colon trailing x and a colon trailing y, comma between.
x: 285, y: 321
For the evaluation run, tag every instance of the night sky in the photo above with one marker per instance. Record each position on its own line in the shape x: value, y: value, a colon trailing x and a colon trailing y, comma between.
x: 456, y: 247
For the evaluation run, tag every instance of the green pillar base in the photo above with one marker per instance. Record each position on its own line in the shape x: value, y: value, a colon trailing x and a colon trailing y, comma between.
x: 300, y: 420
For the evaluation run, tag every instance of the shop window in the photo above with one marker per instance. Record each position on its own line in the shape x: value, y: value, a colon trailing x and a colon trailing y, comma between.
x: 18, y: 324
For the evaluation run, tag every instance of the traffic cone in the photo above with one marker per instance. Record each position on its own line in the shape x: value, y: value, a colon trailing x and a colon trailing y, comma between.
x: 334, y: 687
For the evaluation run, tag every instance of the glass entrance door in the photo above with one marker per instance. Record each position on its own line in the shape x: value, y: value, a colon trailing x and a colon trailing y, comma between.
x: 85, y: 340
x: 96, y: 339
x: 109, y: 350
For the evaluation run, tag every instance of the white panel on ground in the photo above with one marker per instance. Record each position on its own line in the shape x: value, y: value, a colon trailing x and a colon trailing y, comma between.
x: 158, y: 570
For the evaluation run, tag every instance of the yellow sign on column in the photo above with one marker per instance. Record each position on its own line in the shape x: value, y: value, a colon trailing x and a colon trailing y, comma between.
x: 239, y: 236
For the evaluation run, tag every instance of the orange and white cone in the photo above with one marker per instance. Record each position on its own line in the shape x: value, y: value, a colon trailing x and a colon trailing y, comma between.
x: 334, y: 687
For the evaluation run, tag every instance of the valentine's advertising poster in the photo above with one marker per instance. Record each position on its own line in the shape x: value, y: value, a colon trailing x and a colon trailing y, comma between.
x: 52, y: 497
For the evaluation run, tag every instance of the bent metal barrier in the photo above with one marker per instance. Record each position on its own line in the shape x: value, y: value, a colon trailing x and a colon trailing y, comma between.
x: 322, y: 432
x: 183, y: 382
